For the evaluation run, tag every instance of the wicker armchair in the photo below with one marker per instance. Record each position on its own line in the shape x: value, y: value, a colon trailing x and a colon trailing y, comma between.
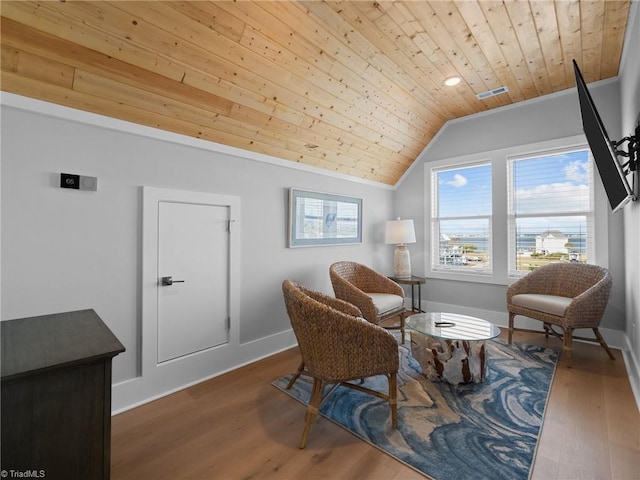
x: 567, y: 295
x: 378, y: 297
x: 337, y: 347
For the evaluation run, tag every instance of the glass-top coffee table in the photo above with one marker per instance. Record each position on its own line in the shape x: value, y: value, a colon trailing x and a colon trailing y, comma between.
x: 451, y: 347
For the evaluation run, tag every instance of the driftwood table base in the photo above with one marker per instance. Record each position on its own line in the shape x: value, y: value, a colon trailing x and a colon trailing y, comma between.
x: 452, y: 361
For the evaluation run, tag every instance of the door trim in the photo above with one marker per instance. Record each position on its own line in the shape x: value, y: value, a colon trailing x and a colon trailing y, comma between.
x: 189, y: 369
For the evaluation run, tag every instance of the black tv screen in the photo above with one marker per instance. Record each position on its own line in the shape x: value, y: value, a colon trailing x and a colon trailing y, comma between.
x: 615, y: 183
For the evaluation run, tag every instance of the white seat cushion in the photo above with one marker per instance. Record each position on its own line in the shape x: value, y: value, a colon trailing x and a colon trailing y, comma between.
x: 552, y: 304
x: 386, y: 302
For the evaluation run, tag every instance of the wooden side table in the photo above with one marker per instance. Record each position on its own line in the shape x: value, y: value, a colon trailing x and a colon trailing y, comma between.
x: 414, y: 282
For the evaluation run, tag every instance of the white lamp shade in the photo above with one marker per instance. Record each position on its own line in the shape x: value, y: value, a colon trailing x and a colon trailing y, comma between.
x: 400, y: 231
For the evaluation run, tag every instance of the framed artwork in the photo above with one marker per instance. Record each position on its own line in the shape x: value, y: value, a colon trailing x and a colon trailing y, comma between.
x: 317, y: 218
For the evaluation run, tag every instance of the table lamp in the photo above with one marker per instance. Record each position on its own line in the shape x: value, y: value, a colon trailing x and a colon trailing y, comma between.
x: 400, y: 232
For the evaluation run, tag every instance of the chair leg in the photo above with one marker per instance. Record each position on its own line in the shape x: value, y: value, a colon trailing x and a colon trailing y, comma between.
x: 511, y: 318
x: 402, y: 329
x: 603, y: 343
x: 295, y: 376
x: 567, y: 344
x: 312, y: 410
x: 393, y: 399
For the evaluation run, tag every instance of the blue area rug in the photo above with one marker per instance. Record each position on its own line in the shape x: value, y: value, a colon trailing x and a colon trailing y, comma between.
x: 472, y: 431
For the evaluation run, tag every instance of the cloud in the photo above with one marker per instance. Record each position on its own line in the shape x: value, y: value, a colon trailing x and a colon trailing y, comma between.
x: 553, y: 197
x: 458, y: 181
x: 577, y: 172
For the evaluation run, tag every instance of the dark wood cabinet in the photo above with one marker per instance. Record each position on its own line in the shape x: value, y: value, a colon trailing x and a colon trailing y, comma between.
x: 56, y: 396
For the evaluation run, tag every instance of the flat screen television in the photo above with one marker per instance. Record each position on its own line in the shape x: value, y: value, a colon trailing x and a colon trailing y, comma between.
x: 613, y: 178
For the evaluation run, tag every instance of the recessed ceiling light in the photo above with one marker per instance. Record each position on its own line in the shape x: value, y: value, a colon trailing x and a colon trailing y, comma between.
x: 452, y: 81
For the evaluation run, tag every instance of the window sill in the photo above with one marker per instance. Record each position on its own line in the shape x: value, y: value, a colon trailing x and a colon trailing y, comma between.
x: 457, y: 276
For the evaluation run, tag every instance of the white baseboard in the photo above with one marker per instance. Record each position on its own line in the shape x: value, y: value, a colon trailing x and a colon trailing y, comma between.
x: 140, y: 390
x: 633, y: 369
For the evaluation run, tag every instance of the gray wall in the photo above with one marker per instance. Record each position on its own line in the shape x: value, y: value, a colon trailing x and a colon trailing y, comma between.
x: 630, y: 113
x: 552, y: 117
x: 64, y: 250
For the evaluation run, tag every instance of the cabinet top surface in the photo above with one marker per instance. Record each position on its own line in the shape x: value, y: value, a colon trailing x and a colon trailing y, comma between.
x: 34, y: 344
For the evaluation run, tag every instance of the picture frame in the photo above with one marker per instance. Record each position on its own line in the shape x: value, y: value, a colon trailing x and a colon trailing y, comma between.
x: 320, y: 219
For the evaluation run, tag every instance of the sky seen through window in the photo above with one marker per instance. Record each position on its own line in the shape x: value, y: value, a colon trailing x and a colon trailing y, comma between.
x: 544, y: 185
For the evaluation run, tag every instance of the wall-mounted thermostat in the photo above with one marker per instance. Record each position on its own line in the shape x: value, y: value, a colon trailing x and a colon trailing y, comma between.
x: 78, y: 182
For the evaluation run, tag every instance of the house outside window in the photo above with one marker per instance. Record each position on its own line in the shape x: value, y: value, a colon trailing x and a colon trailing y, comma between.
x: 551, y: 209
x: 461, y: 218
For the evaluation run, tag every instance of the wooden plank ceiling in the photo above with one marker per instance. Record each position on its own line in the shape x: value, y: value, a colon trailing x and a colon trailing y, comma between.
x: 354, y: 87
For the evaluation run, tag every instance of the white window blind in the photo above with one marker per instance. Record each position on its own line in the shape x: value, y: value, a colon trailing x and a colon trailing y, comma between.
x: 461, y: 218
x: 551, y: 213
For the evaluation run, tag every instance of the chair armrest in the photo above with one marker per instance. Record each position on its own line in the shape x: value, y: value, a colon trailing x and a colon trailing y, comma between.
x: 363, y: 349
x: 386, y: 285
x: 340, y: 305
x: 587, y: 309
x: 345, y: 290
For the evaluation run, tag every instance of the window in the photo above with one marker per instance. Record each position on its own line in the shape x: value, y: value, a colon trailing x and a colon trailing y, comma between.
x: 461, y: 218
x: 496, y: 215
x: 551, y: 213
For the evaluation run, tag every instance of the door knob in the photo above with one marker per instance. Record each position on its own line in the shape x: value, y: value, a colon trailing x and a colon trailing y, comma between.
x: 166, y: 281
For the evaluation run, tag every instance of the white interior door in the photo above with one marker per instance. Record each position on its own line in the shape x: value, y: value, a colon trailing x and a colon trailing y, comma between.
x: 193, y: 305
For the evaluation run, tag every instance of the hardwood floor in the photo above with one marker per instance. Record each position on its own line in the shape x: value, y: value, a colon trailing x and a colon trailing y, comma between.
x: 237, y: 426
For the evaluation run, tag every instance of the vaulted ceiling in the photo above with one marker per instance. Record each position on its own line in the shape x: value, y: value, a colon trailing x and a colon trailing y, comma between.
x: 354, y: 87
